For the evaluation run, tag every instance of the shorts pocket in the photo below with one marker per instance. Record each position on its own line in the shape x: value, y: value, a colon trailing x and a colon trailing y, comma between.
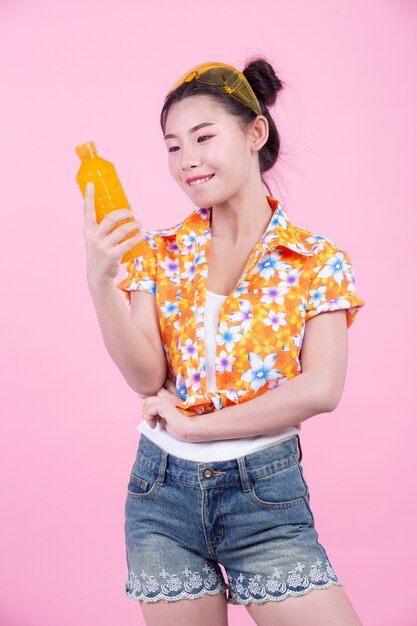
x: 142, y: 482
x: 307, y: 496
x: 281, y: 490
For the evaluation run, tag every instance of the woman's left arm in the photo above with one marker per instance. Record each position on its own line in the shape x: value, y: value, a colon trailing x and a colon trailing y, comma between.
x: 316, y: 390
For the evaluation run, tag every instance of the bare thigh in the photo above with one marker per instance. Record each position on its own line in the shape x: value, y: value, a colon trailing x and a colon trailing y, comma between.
x: 205, y: 611
x: 320, y: 607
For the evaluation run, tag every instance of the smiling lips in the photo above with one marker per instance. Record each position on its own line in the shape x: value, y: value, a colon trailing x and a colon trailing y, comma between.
x: 198, y: 180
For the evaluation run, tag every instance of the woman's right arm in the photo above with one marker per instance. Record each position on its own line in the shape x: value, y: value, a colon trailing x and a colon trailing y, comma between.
x: 133, y: 341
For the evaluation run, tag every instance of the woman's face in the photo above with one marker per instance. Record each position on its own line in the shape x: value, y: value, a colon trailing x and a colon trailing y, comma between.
x: 221, y: 148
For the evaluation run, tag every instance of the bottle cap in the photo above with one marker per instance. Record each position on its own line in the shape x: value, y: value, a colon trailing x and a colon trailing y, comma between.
x: 86, y: 149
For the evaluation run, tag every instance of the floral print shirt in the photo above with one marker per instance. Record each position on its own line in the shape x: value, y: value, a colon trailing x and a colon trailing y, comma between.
x: 290, y: 276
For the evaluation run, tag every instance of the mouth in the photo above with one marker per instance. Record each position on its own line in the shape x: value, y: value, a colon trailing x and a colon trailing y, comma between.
x: 200, y: 181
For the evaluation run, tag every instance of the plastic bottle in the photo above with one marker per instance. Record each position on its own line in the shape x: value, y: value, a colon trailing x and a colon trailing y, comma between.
x: 108, y: 195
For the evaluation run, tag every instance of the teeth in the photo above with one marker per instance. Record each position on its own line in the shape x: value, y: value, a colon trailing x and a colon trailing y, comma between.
x: 200, y: 180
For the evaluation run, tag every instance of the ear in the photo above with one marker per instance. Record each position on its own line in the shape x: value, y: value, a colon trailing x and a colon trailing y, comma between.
x: 259, y: 133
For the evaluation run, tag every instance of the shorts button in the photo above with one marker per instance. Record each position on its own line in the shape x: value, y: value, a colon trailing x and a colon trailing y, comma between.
x: 208, y: 472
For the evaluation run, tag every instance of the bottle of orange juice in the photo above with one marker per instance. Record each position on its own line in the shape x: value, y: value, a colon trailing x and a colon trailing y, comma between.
x: 109, y: 194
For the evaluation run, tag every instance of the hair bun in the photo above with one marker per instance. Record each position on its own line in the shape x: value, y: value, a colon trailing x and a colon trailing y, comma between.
x: 262, y: 78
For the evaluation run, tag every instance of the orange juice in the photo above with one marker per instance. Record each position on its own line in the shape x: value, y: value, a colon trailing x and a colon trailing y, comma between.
x: 108, y: 195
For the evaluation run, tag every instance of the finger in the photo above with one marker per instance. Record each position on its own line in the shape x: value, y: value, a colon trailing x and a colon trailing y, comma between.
x: 113, y: 219
x: 89, y: 209
x: 149, y: 418
x: 128, y: 229
x: 152, y: 406
x: 163, y: 392
x: 152, y: 423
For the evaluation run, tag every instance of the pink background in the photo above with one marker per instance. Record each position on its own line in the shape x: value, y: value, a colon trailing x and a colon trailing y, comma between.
x: 98, y: 70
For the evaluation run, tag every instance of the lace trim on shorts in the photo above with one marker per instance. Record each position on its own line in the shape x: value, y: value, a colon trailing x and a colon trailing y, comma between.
x: 257, y: 590
x: 171, y: 587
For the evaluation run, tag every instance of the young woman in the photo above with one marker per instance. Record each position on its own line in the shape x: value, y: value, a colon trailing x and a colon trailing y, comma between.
x: 237, y: 333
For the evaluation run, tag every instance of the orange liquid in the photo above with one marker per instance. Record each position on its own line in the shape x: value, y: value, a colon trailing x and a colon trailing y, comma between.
x: 108, y: 195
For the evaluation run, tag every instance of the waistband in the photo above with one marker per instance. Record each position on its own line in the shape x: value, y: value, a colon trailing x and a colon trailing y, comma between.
x: 219, y: 473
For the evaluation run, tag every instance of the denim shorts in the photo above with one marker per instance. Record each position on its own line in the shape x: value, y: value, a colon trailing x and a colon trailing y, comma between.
x: 251, y: 514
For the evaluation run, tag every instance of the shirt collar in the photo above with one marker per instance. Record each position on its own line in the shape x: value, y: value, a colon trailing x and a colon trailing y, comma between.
x: 279, y: 232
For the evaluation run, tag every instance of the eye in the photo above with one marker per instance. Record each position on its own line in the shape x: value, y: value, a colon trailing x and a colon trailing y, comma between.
x: 202, y: 137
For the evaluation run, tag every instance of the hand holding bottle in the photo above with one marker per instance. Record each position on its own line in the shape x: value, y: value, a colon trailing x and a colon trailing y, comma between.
x: 108, y: 191
x: 103, y: 250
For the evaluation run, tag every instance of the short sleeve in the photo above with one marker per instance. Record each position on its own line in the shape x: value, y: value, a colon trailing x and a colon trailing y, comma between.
x: 141, y: 272
x: 332, y: 287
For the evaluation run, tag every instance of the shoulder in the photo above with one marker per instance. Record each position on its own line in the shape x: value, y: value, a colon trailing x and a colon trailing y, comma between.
x: 321, y: 249
x: 161, y: 238
x: 164, y: 239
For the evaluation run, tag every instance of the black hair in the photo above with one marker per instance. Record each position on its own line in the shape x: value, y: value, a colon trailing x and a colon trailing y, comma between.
x: 265, y: 83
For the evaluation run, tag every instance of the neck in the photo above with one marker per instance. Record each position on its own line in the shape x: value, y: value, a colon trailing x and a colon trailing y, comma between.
x: 238, y: 220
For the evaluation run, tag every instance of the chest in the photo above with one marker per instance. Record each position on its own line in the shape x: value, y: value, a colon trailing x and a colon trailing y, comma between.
x: 262, y: 312
x: 226, y: 264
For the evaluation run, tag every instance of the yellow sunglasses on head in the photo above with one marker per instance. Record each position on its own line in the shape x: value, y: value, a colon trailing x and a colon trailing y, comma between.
x: 225, y: 77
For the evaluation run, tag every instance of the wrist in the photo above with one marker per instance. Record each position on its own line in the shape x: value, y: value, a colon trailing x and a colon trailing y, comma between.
x: 99, y: 287
x: 194, y: 432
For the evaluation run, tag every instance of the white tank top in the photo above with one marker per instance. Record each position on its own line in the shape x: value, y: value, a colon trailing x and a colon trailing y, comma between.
x: 222, y: 449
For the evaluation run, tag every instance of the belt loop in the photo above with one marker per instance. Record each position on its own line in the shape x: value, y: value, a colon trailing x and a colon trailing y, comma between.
x: 243, y: 474
x: 162, y: 468
x: 299, y: 448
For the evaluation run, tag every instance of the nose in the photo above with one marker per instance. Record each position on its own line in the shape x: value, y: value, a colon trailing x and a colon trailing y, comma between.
x: 189, y: 158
